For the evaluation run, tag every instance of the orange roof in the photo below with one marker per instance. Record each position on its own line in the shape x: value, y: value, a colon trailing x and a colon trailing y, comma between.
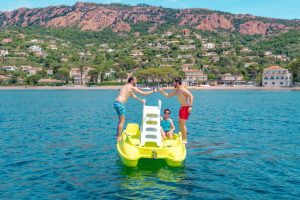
x: 273, y: 68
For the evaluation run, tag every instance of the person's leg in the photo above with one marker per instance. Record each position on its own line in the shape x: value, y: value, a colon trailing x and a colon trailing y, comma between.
x: 163, y: 134
x: 184, y: 132
x: 120, y: 108
x: 120, y: 127
x: 183, y: 129
x: 170, y: 135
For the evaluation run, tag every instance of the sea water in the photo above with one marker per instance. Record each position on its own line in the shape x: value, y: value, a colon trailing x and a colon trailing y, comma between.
x: 61, y: 145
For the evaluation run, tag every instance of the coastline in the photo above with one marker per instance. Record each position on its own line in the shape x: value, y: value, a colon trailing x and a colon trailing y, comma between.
x: 118, y: 87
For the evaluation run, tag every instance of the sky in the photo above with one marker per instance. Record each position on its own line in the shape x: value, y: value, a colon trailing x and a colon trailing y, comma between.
x: 285, y: 9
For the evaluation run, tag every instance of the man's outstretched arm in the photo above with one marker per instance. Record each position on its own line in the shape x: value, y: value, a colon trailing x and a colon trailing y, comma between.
x: 137, y: 98
x: 137, y: 90
x: 167, y: 94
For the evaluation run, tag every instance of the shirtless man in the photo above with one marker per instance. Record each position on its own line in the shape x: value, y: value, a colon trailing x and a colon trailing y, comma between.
x: 186, y: 101
x: 125, y: 92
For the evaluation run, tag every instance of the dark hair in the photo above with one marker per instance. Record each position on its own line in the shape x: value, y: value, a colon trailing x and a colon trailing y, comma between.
x: 167, y: 109
x: 177, y: 80
x: 130, y: 79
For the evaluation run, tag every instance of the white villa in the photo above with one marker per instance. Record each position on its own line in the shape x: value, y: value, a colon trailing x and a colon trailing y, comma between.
x: 34, y: 70
x: 194, y: 77
x: 276, y: 76
x: 9, y: 68
x: 230, y: 79
x: 209, y: 45
x: 226, y: 44
x: 187, y: 47
x: 3, y: 52
x: 35, y: 48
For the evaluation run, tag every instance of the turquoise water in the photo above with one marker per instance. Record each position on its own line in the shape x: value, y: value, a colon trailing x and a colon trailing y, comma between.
x: 61, y: 145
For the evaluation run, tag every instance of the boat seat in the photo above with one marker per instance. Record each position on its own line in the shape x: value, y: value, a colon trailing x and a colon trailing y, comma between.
x: 151, y: 125
x: 132, y: 129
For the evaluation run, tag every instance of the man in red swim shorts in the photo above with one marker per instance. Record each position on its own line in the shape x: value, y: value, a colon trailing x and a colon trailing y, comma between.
x: 186, y: 99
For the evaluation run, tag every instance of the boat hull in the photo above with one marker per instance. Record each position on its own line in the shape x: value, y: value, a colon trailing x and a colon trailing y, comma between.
x: 130, y: 150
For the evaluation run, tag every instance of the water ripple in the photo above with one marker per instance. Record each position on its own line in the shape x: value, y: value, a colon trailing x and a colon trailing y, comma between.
x: 242, y: 145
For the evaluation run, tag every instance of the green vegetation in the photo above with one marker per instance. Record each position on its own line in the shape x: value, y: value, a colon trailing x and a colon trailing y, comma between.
x: 153, y: 58
x: 286, y: 43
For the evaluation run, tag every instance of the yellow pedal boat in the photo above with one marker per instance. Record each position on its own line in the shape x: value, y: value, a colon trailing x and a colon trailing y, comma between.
x: 130, y: 149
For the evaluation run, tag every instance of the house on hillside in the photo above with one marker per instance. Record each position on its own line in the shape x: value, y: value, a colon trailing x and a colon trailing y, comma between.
x: 136, y: 53
x: 4, y: 79
x: 167, y: 34
x: 3, y: 52
x: 9, y: 68
x: 25, y: 68
x: 187, y: 47
x: 36, y: 49
x: 282, y: 57
x: 34, y: 70
x: 226, y: 44
x: 186, y: 56
x: 168, y: 59
x: 230, y: 79
x: 194, y: 77
x: 275, y: 76
x: 268, y: 54
x: 162, y: 47
x: 209, y: 45
x: 49, y: 72
x: 80, y: 76
x: 246, y: 50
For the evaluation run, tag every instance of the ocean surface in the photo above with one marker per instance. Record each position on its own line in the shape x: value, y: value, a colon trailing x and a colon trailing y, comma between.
x: 61, y: 145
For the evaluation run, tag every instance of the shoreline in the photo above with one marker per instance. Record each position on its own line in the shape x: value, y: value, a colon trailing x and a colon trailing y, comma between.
x: 118, y: 87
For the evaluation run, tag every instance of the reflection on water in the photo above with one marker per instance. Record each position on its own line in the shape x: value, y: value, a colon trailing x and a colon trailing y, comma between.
x: 150, y: 176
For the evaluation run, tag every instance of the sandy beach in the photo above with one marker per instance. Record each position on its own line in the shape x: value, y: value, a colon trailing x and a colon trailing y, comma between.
x: 118, y: 87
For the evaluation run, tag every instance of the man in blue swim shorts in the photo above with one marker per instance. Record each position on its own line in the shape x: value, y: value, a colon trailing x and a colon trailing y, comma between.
x: 126, y: 91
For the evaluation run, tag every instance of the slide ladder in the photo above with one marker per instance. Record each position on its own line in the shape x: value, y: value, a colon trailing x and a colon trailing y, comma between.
x: 151, y: 125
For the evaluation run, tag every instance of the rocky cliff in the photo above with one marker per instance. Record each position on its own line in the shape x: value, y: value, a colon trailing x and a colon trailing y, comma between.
x: 122, y: 18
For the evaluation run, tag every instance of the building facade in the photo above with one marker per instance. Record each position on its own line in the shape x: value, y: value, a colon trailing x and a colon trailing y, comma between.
x: 80, y: 76
x: 276, y: 76
x: 230, y: 79
x: 194, y: 77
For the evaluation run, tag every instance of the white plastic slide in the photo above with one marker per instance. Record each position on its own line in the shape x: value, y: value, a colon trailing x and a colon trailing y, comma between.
x: 151, y: 125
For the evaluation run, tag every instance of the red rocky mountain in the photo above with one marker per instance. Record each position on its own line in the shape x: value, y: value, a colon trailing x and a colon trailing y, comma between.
x: 122, y: 18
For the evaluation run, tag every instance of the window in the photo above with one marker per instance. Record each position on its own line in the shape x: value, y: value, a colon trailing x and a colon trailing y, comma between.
x: 266, y: 83
x: 281, y: 83
x: 273, y: 83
